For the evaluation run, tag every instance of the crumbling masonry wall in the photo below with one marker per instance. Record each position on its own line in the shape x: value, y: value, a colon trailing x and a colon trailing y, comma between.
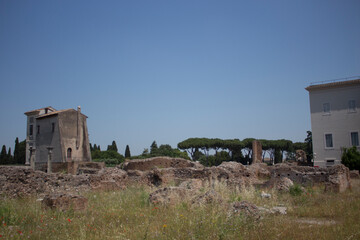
x: 336, y: 178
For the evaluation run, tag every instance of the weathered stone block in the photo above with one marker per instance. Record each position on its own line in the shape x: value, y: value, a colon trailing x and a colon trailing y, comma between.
x: 339, y: 179
x: 65, y: 202
x: 246, y: 208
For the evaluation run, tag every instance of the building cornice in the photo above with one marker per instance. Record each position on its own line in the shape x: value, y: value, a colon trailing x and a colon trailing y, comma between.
x: 333, y: 85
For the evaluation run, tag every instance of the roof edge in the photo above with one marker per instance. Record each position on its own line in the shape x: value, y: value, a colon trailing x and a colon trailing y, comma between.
x: 333, y: 85
x: 38, y: 110
x: 57, y: 112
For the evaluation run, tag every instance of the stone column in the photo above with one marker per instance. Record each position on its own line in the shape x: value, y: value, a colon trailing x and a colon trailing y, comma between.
x: 32, y: 158
x: 49, y: 159
x: 256, y: 152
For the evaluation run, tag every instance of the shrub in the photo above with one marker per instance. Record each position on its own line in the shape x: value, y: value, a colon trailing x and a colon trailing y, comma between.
x: 162, y: 151
x: 351, y: 158
x: 107, y: 155
x: 295, y: 190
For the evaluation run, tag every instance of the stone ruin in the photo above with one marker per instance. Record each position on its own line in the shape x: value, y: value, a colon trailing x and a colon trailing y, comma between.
x: 163, y: 171
x: 23, y: 181
x: 336, y: 178
x: 186, y: 178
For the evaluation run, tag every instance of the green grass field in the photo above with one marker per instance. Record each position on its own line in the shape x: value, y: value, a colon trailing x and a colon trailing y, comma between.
x: 127, y: 214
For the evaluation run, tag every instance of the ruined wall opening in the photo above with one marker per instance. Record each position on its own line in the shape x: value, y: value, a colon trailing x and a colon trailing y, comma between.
x: 68, y: 154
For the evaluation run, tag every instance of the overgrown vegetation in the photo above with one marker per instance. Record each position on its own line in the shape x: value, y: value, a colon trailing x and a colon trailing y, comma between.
x: 127, y: 214
x: 110, y: 157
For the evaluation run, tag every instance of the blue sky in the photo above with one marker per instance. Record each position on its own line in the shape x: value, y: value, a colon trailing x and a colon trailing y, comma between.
x: 170, y: 70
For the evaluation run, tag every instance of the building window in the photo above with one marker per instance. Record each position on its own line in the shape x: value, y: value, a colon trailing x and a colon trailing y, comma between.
x: 52, y: 127
x: 352, y: 106
x: 330, y: 162
x: 326, y: 108
x: 31, y: 130
x: 329, y: 140
x: 354, y: 139
x: 38, y: 129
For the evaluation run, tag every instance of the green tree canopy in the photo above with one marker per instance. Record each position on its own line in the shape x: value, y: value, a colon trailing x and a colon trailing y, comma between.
x: 163, y: 150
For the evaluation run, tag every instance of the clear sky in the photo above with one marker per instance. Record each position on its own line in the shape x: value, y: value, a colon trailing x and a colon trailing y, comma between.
x: 171, y: 70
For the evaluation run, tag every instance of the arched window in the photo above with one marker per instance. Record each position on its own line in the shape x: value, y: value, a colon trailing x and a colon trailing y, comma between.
x: 68, y: 154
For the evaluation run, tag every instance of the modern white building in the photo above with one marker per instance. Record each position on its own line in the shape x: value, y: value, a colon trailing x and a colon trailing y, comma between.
x: 335, y: 119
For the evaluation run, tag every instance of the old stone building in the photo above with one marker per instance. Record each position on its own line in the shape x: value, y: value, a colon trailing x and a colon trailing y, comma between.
x: 62, y: 133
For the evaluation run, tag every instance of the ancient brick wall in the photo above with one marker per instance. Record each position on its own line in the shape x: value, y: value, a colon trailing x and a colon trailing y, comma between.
x: 301, y: 174
x: 157, y: 162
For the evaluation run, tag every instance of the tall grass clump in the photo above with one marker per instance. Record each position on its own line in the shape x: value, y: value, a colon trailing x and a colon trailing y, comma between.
x: 128, y: 214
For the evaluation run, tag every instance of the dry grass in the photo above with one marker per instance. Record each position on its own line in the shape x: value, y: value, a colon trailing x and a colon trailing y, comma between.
x: 128, y: 215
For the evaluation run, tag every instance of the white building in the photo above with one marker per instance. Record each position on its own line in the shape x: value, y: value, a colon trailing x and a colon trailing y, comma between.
x: 335, y: 119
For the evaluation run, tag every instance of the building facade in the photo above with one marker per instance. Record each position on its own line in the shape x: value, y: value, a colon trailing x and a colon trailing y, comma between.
x: 64, y: 132
x: 335, y: 119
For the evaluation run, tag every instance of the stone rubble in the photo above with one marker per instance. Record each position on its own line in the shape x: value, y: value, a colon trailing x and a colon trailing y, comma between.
x: 246, y: 208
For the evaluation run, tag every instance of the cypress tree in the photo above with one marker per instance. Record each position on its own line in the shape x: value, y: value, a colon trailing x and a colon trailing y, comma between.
x: 10, y: 157
x: 153, y: 148
x: 3, y: 155
x: 112, y: 147
x: 16, y: 151
x: 127, y: 152
x: 22, y: 152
